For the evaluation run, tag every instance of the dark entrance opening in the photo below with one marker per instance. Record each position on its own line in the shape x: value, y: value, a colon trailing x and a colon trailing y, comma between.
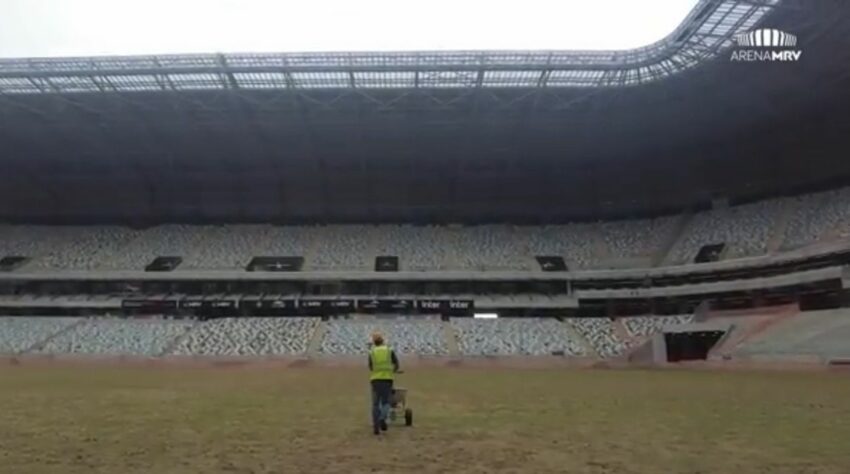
x: 693, y: 345
x: 709, y: 253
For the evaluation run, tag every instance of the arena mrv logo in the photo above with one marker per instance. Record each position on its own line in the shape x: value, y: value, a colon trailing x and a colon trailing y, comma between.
x: 766, y: 44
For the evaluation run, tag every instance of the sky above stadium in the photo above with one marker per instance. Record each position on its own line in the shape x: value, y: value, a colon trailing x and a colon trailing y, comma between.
x: 55, y: 28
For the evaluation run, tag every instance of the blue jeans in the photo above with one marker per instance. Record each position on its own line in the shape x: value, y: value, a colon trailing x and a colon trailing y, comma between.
x: 381, y: 392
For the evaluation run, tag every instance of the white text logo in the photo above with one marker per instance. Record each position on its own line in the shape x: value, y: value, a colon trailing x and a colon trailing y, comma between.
x: 766, y: 44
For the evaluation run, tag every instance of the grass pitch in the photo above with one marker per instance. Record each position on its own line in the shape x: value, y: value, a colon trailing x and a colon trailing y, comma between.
x: 142, y: 420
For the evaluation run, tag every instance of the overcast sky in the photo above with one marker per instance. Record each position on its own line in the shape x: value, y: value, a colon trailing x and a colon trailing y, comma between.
x: 36, y: 28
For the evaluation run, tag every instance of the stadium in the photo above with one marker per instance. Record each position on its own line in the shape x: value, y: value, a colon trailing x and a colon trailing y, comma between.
x: 587, y: 260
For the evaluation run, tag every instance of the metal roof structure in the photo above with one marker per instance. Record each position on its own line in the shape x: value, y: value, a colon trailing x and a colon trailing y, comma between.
x: 427, y: 137
x: 707, y: 30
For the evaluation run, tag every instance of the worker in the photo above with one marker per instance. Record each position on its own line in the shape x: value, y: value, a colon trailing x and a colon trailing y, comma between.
x: 383, y: 364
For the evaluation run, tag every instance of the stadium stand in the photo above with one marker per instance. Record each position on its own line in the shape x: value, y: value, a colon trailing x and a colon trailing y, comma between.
x: 817, y: 216
x: 166, y: 240
x: 418, y: 248
x: 823, y: 334
x: 599, y: 333
x: 746, y: 230
x: 114, y: 336
x: 342, y: 247
x: 19, y: 334
x: 422, y: 336
x: 493, y: 247
x: 573, y: 242
x: 63, y: 247
x: 514, y: 336
x: 282, y: 241
x: 638, y: 326
x: 637, y: 238
x: 223, y: 247
x: 248, y: 337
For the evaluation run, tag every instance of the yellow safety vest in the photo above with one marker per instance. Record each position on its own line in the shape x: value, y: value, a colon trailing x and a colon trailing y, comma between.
x: 382, y: 363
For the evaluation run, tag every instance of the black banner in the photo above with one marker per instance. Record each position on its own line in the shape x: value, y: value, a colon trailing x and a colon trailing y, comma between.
x: 460, y: 307
x: 275, y: 264
x: 551, y: 263
x: 397, y: 306
x: 368, y: 306
x: 191, y: 304
x: 220, y: 304
x: 204, y: 307
x: 164, y: 264
x: 276, y: 304
x: 341, y: 306
x: 432, y: 306
x: 710, y: 253
x: 267, y: 307
x: 315, y: 306
x: 386, y: 306
x: 12, y: 262
x: 149, y: 306
x: 386, y: 263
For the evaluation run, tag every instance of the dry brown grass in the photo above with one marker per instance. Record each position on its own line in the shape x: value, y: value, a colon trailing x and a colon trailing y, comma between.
x: 138, y: 420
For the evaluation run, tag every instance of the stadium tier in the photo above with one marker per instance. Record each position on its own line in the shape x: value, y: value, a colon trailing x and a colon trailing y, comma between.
x: 140, y: 337
x: 23, y: 334
x: 641, y: 326
x: 746, y: 230
x: 410, y: 336
x: 532, y: 336
x: 816, y: 334
x: 248, y: 337
x: 302, y: 336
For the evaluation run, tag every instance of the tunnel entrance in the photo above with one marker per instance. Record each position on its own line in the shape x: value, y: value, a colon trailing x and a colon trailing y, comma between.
x: 690, y: 345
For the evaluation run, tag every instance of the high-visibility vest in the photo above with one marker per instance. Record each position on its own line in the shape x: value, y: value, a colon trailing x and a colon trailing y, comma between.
x: 382, y: 363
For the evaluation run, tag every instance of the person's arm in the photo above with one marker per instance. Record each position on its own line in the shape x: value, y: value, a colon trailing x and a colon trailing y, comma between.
x: 396, y: 366
x: 369, y: 356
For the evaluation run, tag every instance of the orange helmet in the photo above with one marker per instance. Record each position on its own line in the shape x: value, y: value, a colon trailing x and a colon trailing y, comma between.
x: 377, y: 338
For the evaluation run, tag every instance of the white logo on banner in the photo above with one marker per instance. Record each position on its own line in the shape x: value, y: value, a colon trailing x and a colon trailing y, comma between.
x: 766, y: 44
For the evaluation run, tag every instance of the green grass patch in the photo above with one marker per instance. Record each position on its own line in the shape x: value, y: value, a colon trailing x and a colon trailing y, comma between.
x: 142, y: 420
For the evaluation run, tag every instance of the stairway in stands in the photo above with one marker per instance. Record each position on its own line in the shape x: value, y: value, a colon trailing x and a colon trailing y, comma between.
x: 316, y: 340
x: 746, y: 325
x: 664, y: 253
x: 43, y: 343
x: 450, y: 338
x: 589, y: 350
x: 174, y: 343
x: 777, y: 236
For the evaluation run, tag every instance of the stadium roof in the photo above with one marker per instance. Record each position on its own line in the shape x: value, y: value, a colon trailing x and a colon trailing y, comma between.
x: 62, y: 28
x: 706, y: 31
x: 301, y: 138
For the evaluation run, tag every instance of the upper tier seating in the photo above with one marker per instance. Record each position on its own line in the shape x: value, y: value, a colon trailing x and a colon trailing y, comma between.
x: 817, y: 216
x: 64, y: 247
x: 744, y: 229
x: 747, y: 230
